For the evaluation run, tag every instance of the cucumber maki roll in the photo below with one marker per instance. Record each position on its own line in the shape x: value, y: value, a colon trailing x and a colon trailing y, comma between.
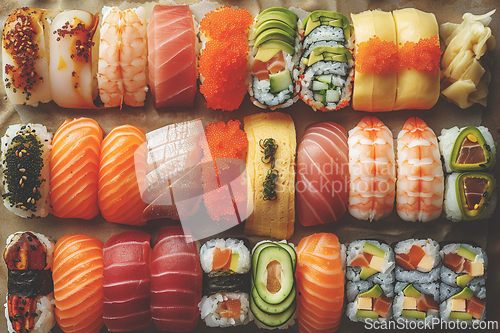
x: 369, y: 260
x: 464, y: 265
x: 417, y: 260
x: 368, y: 301
x: 469, y: 196
x: 26, y: 172
x: 416, y: 301
x: 463, y: 305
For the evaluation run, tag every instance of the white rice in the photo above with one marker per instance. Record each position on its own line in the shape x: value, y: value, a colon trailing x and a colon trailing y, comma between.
x: 45, y: 137
x: 209, y: 304
x: 450, y: 278
x: 235, y: 245
x: 47, y: 242
x: 45, y: 319
x: 481, y: 256
x: 449, y: 136
x: 451, y: 202
x: 324, y: 32
x: 353, y: 289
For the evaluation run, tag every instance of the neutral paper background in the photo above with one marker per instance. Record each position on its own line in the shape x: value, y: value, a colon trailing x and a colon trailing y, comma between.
x: 442, y: 115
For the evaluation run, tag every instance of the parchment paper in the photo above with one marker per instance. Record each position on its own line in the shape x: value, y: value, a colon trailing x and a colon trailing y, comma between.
x: 442, y: 115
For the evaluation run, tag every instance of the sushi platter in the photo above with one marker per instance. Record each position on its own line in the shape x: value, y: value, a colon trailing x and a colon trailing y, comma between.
x: 232, y: 257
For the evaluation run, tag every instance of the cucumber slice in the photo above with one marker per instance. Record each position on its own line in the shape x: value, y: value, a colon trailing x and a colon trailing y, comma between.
x: 324, y: 78
x: 332, y: 96
x: 318, y: 97
x: 317, y: 85
x: 255, y: 256
x: 272, y: 320
x: 290, y: 250
x: 269, y: 259
x: 273, y: 308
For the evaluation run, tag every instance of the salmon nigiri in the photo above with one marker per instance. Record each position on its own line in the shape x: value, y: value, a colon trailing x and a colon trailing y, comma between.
x: 320, y: 283
x: 74, y: 173
x: 119, y: 197
x: 78, y: 283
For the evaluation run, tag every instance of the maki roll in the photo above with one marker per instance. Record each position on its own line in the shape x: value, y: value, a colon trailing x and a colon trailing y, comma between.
x: 464, y: 266
x: 326, y: 65
x: 274, y: 57
x: 417, y: 260
x: 30, y: 298
x: 469, y: 196
x: 467, y: 149
x: 416, y: 301
x: 225, y: 309
x: 463, y: 305
x: 26, y: 174
x: 369, y: 260
x: 368, y: 301
x: 25, y: 50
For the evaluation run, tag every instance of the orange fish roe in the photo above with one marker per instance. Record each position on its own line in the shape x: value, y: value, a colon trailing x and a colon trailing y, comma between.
x: 226, y: 140
x: 376, y: 56
x: 223, y: 61
x: 424, y: 55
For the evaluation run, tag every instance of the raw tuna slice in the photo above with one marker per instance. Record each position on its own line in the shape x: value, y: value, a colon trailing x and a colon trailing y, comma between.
x: 172, y: 56
x: 127, y: 281
x: 176, y: 281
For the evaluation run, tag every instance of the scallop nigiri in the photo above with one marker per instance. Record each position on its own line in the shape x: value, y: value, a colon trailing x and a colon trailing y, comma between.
x: 119, y: 173
x: 74, y: 41
x: 74, y: 173
x: 320, y: 283
x: 78, y: 283
x: 420, y: 183
x: 372, y: 170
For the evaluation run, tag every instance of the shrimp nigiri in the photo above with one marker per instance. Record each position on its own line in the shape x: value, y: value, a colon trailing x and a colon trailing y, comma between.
x: 420, y: 181
x: 372, y: 170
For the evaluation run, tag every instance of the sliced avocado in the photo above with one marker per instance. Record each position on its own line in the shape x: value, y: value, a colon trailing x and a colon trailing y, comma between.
x: 273, y: 308
x: 410, y: 291
x: 255, y: 256
x: 472, y: 135
x: 328, y: 53
x: 271, y: 25
x: 288, y: 12
x: 279, y: 82
x: 310, y: 26
x: 292, y: 253
x: 461, y: 316
x: 275, y: 34
x: 325, y: 16
x: 373, y: 250
x: 268, y: 49
x: 235, y: 257
x: 413, y: 314
x: 269, y: 289
x: 466, y: 253
x: 270, y: 319
x: 366, y: 272
x: 466, y: 293
x: 334, y: 57
x: 277, y: 16
x: 375, y: 292
x: 462, y: 280
x: 366, y: 314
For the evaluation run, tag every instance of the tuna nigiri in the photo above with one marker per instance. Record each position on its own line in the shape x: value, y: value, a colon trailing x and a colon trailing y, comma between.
x: 320, y: 283
x: 176, y: 281
x: 372, y: 170
x: 74, y: 173
x: 78, y: 276
x: 322, y: 176
x: 420, y: 173
x: 127, y: 281
x: 120, y: 171
x: 172, y: 56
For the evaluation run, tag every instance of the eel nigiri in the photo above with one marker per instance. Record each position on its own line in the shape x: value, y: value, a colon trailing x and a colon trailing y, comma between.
x: 176, y: 281
x: 78, y: 288
x: 320, y: 283
x: 74, y: 173
x: 25, y: 46
x: 420, y: 183
x: 126, y: 281
x: 172, y: 56
x: 119, y: 173
x: 372, y: 170
x: 322, y: 176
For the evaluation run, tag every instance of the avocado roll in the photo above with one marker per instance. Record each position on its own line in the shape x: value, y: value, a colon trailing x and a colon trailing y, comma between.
x: 464, y: 265
x: 416, y: 301
x: 463, y: 305
x: 368, y: 301
x: 467, y: 149
x: 274, y: 56
x: 225, y: 309
x: 469, y: 196
x: 369, y: 260
x: 417, y: 260
x: 26, y: 173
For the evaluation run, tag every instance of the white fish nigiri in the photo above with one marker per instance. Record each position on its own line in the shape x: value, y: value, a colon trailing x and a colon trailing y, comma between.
x: 74, y: 55
x: 25, y: 44
x: 420, y: 183
x: 372, y: 170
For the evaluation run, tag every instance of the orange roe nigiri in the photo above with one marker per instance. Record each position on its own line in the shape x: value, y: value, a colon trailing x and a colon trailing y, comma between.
x: 223, y: 61
x: 376, y: 56
x: 424, y: 55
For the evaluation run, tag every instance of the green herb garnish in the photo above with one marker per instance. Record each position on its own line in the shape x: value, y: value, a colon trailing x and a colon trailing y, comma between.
x: 269, y: 146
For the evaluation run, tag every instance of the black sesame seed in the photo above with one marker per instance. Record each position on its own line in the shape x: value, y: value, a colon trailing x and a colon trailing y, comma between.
x: 33, y: 247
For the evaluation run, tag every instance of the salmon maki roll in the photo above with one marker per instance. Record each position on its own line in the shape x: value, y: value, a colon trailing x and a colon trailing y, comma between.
x: 320, y: 283
x: 78, y: 283
x: 74, y: 173
x: 119, y: 196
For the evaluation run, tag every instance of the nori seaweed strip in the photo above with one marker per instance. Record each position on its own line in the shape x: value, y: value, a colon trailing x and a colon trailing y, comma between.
x: 225, y: 281
x: 30, y: 283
